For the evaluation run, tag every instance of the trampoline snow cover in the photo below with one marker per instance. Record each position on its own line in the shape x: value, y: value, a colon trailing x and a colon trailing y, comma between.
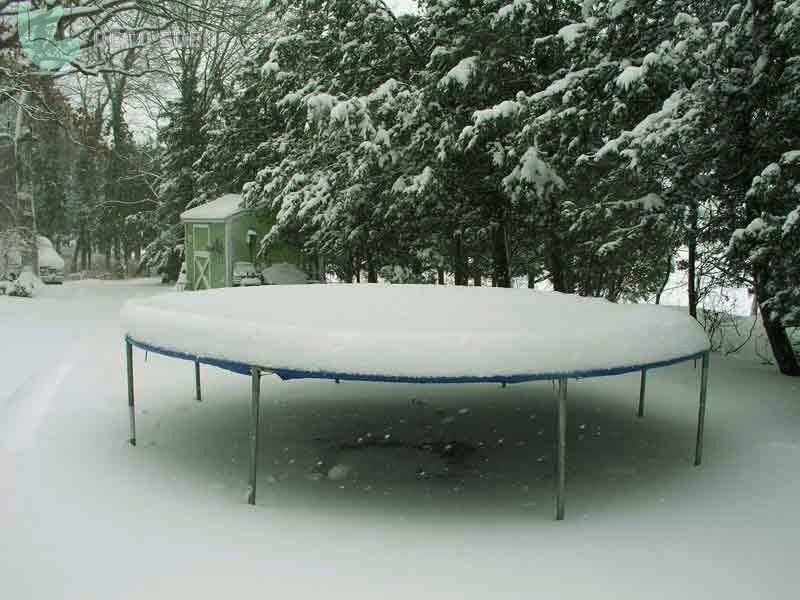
x: 407, y: 332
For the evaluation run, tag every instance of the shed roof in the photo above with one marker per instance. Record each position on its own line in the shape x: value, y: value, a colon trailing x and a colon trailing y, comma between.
x: 216, y: 210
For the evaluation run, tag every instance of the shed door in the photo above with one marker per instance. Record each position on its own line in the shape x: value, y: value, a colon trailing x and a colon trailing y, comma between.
x: 202, y: 270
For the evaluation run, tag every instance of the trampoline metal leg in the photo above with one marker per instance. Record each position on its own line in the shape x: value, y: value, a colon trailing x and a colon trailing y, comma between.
x: 254, y: 410
x: 561, y: 447
x: 701, y: 415
x: 642, y: 386
x: 131, y: 413
x: 198, y: 395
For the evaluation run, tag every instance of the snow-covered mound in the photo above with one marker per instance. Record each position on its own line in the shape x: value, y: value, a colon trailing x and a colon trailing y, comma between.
x: 413, y: 331
x: 48, y: 257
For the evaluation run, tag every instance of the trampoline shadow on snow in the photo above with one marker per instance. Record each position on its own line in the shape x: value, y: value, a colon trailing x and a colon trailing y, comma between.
x: 468, y: 452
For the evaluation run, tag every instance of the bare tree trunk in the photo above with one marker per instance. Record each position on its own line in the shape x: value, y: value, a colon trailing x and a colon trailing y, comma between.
x: 664, y: 281
x: 24, y: 196
x: 501, y: 276
x: 126, y: 259
x: 557, y: 275
x: 9, y: 205
x: 85, y: 253
x: 372, y: 273
x: 778, y: 339
x: 440, y: 276
x: 460, y: 263
x: 781, y: 345
x: 76, y: 256
x: 692, y: 241
x: 357, y: 269
x: 348, y: 272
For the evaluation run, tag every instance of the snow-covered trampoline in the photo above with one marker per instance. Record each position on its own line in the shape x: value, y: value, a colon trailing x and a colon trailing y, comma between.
x: 414, y: 334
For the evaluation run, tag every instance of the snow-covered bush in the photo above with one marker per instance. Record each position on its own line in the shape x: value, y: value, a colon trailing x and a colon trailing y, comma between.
x: 14, y: 242
x: 399, y: 274
x: 20, y: 287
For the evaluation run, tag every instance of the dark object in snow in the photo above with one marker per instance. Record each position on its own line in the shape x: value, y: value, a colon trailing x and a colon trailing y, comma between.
x: 170, y: 268
x: 453, y: 454
x: 453, y: 451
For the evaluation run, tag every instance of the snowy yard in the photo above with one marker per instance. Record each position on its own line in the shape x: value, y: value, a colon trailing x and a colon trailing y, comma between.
x: 353, y: 503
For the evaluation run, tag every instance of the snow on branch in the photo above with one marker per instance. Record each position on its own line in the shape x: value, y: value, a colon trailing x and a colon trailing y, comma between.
x: 512, y: 10
x: 320, y: 105
x: 570, y: 34
x: 505, y: 110
x: 461, y: 73
x: 533, y: 170
x: 629, y: 76
x: 562, y: 85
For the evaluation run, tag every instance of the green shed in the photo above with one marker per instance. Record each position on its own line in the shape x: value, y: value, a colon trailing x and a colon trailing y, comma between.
x: 221, y: 233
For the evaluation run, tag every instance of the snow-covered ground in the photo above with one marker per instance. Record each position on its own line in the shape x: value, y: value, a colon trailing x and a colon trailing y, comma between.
x: 345, y: 511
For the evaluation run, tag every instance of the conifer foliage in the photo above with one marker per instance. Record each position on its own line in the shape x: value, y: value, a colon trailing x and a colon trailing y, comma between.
x: 582, y: 143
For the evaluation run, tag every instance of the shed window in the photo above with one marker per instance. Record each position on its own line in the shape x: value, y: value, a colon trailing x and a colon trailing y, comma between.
x: 202, y: 237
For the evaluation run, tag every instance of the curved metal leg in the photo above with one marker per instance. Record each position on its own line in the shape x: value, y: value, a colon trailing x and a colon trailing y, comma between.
x: 701, y: 415
x: 561, y: 447
x: 255, y: 373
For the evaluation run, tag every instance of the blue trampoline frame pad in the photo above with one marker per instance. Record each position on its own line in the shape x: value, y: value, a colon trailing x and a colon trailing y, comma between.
x: 287, y: 374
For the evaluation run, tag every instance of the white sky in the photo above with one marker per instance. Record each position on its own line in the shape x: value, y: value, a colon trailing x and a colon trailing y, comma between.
x: 142, y: 125
x: 403, y: 6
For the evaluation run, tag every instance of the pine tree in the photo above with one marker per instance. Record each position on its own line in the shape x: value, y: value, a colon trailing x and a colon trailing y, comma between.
x: 729, y: 116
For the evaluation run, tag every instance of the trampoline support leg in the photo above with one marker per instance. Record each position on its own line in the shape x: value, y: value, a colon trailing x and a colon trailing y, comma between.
x: 198, y: 395
x: 642, y: 386
x: 254, y: 409
x: 701, y: 415
x: 561, y: 447
x: 131, y: 413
